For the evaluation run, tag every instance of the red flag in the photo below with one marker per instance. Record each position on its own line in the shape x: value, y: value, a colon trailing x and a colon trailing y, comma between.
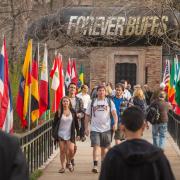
x: 58, y: 81
x: 74, y: 76
x: 43, y: 85
x: 34, y: 88
x: 6, y: 109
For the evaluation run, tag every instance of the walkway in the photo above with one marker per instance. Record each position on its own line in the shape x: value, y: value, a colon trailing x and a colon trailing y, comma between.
x: 84, y: 162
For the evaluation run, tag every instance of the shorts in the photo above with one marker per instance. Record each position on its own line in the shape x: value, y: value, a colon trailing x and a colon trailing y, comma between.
x: 102, y: 139
x: 119, y: 135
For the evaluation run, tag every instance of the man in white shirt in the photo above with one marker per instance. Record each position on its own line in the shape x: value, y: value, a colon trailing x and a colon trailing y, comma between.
x: 84, y: 95
x: 127, y: 94
x: 86, y: 99
x: 99, y: 111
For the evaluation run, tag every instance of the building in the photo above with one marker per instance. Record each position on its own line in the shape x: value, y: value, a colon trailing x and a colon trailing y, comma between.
x: 113, y: 43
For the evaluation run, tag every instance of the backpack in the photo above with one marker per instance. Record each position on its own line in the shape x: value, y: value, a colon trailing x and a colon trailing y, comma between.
x: 153, y: 114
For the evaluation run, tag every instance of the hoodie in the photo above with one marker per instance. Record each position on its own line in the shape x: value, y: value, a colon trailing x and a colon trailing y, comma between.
x: 136, y: 159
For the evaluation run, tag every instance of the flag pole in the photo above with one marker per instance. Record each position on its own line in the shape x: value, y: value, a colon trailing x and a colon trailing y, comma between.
x: 38, y: 77
x: 29, y: 118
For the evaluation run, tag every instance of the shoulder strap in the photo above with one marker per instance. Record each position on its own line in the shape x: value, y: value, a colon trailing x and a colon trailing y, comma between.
x: 92, y: 103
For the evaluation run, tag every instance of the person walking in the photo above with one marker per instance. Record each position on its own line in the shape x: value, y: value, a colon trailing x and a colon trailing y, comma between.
x: 120, y: 104
x: 86, y: 99
x: 139, y: 100
x: 78, y: 107
x: 99, y: 111
x: 66, y: 132
x: 159, y: 129
x: 12, y: 161
x: 135, y: 158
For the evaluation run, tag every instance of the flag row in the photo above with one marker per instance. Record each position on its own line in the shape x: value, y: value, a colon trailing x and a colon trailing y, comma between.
x: 171, y: 79
x: 33, y: 98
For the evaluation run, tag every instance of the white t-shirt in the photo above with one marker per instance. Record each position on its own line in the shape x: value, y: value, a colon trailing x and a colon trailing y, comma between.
x: 100, y: 120
x: 65, y: 127
x: 127, y: 94
x: 85, y: 98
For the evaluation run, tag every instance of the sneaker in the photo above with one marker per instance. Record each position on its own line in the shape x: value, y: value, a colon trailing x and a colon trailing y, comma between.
x: 83, y: 139
x: 95, y: 169
x: 72, y: 162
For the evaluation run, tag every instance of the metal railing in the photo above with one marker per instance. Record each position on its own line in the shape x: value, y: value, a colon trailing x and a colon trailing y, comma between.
x: 38, y: 145
x: 174, y: 127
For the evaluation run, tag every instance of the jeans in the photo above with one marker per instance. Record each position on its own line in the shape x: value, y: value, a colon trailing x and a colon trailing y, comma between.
x: 159, y: 134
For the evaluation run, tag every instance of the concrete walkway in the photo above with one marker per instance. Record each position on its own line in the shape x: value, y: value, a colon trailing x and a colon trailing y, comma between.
x: 83, y: 161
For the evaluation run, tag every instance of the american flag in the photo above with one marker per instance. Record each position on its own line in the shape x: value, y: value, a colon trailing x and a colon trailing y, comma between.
x: 166, y: 76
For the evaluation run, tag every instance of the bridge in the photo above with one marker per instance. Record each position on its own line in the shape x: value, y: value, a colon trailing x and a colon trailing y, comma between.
x: 41, y: 153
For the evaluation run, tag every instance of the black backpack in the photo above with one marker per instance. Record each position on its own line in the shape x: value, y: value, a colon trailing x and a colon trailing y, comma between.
x: 153, y: 114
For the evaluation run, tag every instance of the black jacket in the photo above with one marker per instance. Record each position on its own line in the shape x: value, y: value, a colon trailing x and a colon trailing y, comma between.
x: 140, y: 103
x: 136, y: 160
x: 12, y: 162
x: 74, y: 126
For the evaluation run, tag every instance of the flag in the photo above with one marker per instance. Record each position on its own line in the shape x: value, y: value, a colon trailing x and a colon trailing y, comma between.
x: 74, y: 77
x: 68, y: 73
x: 166, y: 76
x: 177, y: 96
x: 171, y: 89
x: 44, y: 84
x: 34, y: 88
x: 57, y: 81
x: 6, y: 108
x: 23, y: 93
x: 81, y: 78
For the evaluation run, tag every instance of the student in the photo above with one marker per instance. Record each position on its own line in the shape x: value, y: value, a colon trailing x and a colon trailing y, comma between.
x: 78, y: 107
x: 121, y: 105
x: 64, y: 126
x: 99, y: 111
x: 159, y: 129
x: 135, y: 158
x: 126, y: 94
x: 86, y: 99
x: 12, y: 162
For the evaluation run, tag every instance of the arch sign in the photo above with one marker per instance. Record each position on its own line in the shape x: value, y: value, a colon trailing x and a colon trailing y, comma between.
x: 119, y: 24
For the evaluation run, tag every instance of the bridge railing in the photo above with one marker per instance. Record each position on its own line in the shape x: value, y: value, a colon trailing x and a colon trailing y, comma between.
x: 38, y: 145
x: 174, y: 127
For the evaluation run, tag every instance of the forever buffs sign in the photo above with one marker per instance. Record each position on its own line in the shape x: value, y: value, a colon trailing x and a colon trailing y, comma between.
x: 130, y: 25
x: 85, y: 24
x: 118, y: 25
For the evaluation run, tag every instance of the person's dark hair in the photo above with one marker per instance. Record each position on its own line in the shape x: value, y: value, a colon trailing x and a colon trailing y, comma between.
x: 83, y: 86
x: 71, y: 84
x: 101, y: 87
x: 119, y: 85
x: 133, y: 118
x: 122, y: 81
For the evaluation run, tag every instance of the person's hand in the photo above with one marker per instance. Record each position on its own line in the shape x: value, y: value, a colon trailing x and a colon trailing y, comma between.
x: 77, y: 138
x: 147, y: 125
x: 78, y: 115
x: 87, y: 132
x: 114, y: 127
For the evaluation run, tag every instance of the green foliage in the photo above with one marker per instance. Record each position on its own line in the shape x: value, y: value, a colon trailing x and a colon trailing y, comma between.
x: 36, y: 174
